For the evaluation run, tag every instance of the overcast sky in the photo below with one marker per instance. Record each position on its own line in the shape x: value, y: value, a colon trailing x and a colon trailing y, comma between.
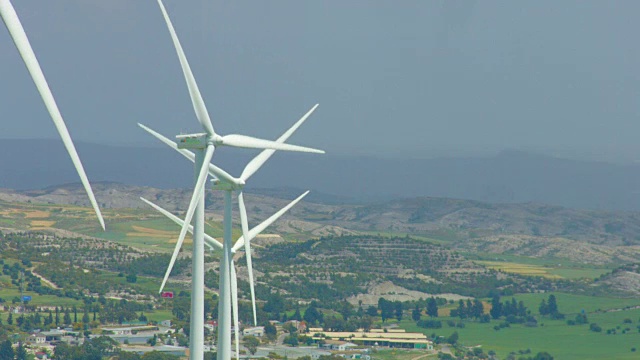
x: 419, y: 78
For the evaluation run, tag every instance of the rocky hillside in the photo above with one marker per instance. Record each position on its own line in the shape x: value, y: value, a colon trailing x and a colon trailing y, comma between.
x: 522, y: 229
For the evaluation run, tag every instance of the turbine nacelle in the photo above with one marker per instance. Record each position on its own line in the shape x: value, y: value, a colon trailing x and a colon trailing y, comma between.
x: 193, y: 141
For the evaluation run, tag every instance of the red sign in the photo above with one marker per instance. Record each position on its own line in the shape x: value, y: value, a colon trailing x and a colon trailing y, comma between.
x: 167, y: 294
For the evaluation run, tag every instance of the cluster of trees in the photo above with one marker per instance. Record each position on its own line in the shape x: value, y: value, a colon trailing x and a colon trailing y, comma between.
x: 470, y: 310
x: 431, y: 309
x: 550, y: 307
x: 320, y: 274
x: 580, y: 319
x: 7, y: 352
x: 150, y: 265
x: 519, y: 356
x: 64, y: 261
x: 390, y: 309
x: 507, y: 308
x: 91, y: 315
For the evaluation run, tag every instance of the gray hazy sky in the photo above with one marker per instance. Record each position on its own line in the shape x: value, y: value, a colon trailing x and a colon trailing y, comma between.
x: 392, y: 77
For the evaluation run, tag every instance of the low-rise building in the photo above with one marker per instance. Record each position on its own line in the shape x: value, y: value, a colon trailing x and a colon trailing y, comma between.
x: 165, y: 323
x: 53, y: 335
x: 119, y: 331
x: 257, y: 331
x: 398, y: 339
x: 37, y: 338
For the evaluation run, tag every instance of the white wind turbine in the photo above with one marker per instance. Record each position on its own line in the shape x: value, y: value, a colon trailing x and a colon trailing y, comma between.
x: 11, y: 20
x: 214, y: 245
x: 238, y: 184
x: 203, y: 145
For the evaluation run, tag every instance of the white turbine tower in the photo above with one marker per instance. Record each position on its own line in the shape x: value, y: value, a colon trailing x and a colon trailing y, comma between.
x: 203, y: 145
x: 11, y: 20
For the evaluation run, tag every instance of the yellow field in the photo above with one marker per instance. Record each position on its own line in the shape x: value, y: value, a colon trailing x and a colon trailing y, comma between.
x: 36, y: 214
x: 141, y: 231
x: 521, y: 269
x: 42, y: 223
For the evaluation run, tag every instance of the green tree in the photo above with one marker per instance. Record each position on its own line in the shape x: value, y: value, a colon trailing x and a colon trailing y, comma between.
x: 522, y: 310
x: 432, y: 307
x: 270, y: 331
x: 462, y: 309
x: 21, y: 352
x: 67, y: 317
x: 453, y: 339
x: 181, y: 307
x: 127, y: 355
x: 85, y: 316
x: 6, y: 350
x: 153, y: 341
x: 477, y: 309
x: 251, y: 343
x: 543, y: 356
x: 398, y: 309
x: 312, y: 315
x: 543, y: 309
x: 386, y: 308
x: 10, y: 318
x: 291, y: 340
x: 297, y: 315
x: 372, y: 311
x: 416, y: 314
x: 346, y: 310
x: 552, y: 305
x: 274, y: 304
x: 496, y: 307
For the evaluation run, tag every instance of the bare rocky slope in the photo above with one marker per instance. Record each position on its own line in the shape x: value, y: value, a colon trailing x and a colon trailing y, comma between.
x: 527, y: 229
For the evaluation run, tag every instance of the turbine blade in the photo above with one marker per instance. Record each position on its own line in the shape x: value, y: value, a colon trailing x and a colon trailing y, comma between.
x: 197, y: 192
x: 257, y: 162
x: 234, y: 300
x: 186, y: 153
x: 258, y: 229
x: 196, y: 99
x: 11, y: 20
x: 213, y: 170
x: 249, y: 142
x: 247, y: 250
x: 210, y: 241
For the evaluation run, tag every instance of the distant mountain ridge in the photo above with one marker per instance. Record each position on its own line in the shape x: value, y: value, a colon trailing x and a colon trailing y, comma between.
x: 509, y: 177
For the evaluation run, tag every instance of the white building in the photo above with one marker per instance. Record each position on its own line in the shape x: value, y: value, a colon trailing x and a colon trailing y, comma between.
x: 165, y: 323
x: 254, y: 331
x: 37, y: 339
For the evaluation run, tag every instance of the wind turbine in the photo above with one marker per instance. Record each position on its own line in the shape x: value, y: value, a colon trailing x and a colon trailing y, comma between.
x: 214, y: 245
x: 11, y: 20
x: 203, y: 145
x: 238, y: 184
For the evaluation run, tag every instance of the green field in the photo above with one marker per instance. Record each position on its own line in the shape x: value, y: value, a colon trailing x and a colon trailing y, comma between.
x: 401, y: 354
x: 153, y: 233
x: 546, y: 267
x: 555, y: 336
